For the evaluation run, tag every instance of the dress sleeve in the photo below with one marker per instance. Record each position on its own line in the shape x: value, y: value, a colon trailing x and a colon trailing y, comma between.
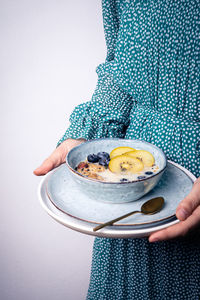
x: 107, y: 114
x: 112, y: 11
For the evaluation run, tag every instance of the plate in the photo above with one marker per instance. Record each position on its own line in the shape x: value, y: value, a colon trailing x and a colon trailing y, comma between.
x: 62, y: 199
x: 65, y: 195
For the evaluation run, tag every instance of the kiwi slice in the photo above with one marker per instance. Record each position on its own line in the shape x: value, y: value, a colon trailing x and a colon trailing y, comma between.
x: 120, y: 150
x: 123, y: 164
x: 145, y: 156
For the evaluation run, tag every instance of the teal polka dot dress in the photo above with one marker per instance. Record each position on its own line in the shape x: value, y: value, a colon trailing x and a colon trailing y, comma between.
x: 148, y: 89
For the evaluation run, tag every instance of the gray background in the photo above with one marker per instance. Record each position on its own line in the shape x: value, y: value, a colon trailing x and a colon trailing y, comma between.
x: 48, y: 55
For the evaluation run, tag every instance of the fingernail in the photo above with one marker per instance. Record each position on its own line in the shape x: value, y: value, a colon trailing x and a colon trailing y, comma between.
x: 182, y: 214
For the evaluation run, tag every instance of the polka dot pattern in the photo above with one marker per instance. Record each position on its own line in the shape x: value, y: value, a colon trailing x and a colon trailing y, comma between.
x: 127, y: 269
x: 148, y: 89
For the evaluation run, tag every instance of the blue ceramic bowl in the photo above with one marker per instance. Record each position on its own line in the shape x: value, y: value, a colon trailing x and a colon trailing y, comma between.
x: 114, y: 192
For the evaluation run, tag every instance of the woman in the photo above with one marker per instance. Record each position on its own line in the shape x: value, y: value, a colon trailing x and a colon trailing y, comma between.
x: 148, y: 88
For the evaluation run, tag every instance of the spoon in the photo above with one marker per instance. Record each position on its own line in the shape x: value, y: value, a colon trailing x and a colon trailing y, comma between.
x: 150, y: 207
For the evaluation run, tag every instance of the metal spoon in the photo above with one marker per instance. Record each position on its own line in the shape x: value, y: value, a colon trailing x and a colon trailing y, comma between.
x: 150, y: 207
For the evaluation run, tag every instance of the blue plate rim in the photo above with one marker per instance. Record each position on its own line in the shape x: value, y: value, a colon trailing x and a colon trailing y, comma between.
x: 136, y: 226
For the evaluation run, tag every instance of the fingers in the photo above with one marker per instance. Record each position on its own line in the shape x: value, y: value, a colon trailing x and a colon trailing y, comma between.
x: 190, y: 203
x: 179, y: 230
x: 188, y: 212
x: 50, y: 163
x: 45, y: 167
x: 58, y: 156
x: 54, y: 160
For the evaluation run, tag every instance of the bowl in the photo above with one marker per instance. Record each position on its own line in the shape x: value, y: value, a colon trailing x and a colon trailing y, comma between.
x: 114, y: 192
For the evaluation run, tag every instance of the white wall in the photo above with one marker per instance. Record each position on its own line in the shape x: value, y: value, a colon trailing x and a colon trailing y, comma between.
x: 48, y: 55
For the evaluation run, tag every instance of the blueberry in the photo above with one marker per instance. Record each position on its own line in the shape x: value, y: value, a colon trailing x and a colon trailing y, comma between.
x: 123, y: 179
x: 141, y: 177
x: 93, y: 158
x: 104, y: 162
x: 103, y: 155
x: 148, y: 173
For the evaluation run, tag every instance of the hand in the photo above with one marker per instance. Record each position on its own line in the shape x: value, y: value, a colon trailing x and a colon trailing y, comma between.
x: 188, y: 212
x: 58, y: 156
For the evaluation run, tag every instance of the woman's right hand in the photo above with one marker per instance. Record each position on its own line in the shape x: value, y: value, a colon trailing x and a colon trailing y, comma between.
x: 57, y: 157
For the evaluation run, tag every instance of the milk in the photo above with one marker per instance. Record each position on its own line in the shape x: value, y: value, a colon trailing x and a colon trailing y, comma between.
x: 113, y: 177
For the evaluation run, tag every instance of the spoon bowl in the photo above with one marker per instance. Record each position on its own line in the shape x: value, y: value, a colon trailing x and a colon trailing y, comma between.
x: 152, y: 206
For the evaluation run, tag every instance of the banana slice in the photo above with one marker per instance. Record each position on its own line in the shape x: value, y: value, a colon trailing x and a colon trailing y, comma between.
x: 119, y: 151
x: 124, y: 164
x: 145, y: 156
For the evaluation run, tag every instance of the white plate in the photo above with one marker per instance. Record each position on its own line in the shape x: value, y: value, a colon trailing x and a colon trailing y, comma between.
x: 77, y: 213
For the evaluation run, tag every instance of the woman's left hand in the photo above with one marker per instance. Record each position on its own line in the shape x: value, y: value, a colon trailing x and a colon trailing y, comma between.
x: 188, y: 212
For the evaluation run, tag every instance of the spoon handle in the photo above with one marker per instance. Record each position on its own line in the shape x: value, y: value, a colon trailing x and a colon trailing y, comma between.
x: 115, y: 220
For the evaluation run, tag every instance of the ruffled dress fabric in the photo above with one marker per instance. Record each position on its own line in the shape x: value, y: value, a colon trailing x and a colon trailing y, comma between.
x: 148, y: 89
x: 94, y: 119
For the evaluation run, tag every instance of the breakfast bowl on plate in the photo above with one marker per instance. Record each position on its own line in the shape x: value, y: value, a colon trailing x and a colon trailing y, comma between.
x: 116, y: 170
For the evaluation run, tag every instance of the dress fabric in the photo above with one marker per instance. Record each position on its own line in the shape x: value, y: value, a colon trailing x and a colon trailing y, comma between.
x: 148, y: 89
